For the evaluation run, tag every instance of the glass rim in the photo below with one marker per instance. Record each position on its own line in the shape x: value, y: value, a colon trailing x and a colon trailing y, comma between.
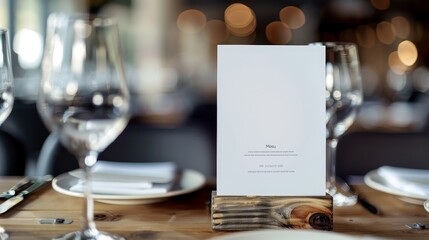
x: 333, y: 44
x: 3, y: 30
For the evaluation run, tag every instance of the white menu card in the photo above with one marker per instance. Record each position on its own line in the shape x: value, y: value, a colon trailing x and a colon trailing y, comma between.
x: 271, y: 120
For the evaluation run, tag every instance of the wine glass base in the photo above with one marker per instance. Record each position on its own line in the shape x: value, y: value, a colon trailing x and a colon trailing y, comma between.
x: 77, y: 235
x: 341, y: 200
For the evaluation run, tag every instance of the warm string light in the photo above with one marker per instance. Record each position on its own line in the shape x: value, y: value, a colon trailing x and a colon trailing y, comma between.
x: 405, y: 57
x: 388, y: 33
x: 407, y: 53
x: 278, y: 33
x: 240, y: 20
x: 401, y: 26
x: 395, y: 64
x: 292, y: 16
x: 191, y: 21
x: 385, y: 32
x: 240, y: 23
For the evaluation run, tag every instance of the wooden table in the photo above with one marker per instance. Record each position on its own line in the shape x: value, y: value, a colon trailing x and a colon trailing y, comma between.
x: 188, y: 216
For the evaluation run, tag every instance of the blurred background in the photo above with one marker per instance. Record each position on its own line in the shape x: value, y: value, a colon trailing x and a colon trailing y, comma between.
x: 170, y: 54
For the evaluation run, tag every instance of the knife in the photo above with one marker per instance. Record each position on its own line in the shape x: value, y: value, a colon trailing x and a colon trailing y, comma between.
x: 24, y: 183
x: 365, y: 203
x: 39, y: 182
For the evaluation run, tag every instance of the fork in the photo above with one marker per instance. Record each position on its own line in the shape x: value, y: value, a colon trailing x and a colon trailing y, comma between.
x: 16, y: 188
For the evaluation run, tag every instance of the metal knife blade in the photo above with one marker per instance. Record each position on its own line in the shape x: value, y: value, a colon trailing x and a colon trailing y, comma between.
x: 24, y: 183
x: 367, y: 205
x: 8, y: 204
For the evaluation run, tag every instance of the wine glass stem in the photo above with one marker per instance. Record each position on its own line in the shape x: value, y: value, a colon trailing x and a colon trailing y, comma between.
x: 88, y: 227
x: 331, y: 150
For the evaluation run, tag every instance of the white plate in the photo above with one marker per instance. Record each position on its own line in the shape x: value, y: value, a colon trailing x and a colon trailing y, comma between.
x: 190, y: 181
x: 290, y: 234
x: 374, y: 180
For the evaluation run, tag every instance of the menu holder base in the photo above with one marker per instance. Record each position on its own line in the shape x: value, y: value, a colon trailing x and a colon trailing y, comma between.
x: 231, y: 213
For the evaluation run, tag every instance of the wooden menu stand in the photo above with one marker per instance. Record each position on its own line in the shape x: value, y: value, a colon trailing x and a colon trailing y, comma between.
x: 230, y: 213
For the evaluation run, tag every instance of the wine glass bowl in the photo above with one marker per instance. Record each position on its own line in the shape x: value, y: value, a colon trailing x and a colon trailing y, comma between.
x: 6, y: 77
x: 343, y: 87
x: 83, y: 95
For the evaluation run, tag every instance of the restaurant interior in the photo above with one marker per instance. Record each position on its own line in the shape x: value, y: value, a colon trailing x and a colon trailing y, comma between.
x: 132, y: 106
x: 169, y: 50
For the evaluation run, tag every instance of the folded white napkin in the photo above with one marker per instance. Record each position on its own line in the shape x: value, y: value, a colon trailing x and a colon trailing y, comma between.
x: 413, y: 181
x: 129, y: 178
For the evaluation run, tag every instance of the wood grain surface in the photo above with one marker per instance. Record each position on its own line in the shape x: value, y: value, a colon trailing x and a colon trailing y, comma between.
x: 188, y: 216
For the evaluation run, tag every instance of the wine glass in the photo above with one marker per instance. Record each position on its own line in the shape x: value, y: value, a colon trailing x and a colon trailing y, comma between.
x: 343, y: 98
x: 83, y: 95
x: 6, y: 77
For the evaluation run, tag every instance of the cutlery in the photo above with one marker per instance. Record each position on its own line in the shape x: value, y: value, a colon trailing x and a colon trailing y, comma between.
x: 418, y: 226
x: 25, y: 182
x: 39, y: 182
x: 362, y: 201
x: 3, y: 234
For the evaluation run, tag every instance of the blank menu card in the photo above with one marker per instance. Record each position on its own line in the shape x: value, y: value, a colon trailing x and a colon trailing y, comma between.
x: 271, y: 120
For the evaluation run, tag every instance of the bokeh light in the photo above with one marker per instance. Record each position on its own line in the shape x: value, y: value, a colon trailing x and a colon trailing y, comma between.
x: 380, y: 4
x: 420, y: 79
x: 240, y: 20
x: 191, y: 21
x: 396, y: 64
x: 292, y: 16
x: 28, y: 44
x: 400, y: 114
x: 217, y: 31
x: 396, y: 81
x: 402, y: 26
x: 407, y: 53
x: 97, y: 99
x: 71, y: 88
x: 385, y: 32
x: 278, y: 33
